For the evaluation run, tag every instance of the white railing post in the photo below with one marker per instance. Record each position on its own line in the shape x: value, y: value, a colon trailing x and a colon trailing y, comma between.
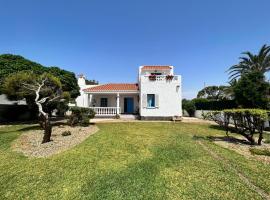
x: 106, y: 111
x: 117, y: 104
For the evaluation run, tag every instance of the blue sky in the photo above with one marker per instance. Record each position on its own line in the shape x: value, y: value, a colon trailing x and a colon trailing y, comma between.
x: 108, y: 40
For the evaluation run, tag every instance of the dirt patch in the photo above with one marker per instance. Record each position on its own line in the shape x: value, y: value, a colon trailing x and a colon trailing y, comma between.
x: 197, y: 120
x: 241, y: 147
x: 29, y: 143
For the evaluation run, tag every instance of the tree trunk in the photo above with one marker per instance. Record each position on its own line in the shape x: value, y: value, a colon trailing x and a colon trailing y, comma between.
x: 260, y: 136
x: 47, y: 129
x: 249, y: 138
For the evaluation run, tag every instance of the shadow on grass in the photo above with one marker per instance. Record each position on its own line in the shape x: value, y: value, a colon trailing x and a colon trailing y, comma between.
x: 228, y: 139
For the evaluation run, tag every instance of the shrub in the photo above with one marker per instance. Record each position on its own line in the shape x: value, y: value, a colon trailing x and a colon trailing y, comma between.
x: 117, y: 116
x: 80, y: 116
x: 189, y: 106
x: 267, y: 141
x: 245, y: 122
x: 264, y: 152
x: 66, y: 133
x: 204, y: 104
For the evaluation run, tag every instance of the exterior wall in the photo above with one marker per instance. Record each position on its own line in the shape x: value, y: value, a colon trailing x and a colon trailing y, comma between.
x: 199, y: 113
x: 5, y: 101
x: 83, y: 99
x: 169, y: 97
x: 112, y: 102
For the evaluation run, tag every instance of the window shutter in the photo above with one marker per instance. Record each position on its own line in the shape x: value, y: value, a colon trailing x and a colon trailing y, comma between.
x: 156, y: 100
x: 144, y: 100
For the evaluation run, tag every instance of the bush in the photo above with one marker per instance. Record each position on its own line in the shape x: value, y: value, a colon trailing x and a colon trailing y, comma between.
x: 189, y: 106
x: 80, y: 116
x: 66, y: 133
x: 264, y: 152
x: 204, y: 104
x: 245, y: 122
x: 267, y: 141
x: 12, y: 113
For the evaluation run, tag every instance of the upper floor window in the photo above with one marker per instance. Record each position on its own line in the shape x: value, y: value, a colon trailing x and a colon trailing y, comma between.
x: 156, y: 73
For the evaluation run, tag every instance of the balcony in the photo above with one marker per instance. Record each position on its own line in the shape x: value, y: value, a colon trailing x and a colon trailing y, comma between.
x: 160, y: 78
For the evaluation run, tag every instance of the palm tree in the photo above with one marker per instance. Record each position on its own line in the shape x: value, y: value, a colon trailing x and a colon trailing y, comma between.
x: 251, y: 62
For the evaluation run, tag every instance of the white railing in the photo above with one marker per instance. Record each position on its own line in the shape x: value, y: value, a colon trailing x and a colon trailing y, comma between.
x: 106, y: 111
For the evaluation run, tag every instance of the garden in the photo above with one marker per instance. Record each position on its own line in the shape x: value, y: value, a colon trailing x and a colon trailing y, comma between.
x: 134, y: 161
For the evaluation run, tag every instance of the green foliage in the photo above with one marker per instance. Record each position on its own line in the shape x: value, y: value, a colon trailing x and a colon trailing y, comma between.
x: 245, y: 122
x: 13, y: 113
x: 215, y: 93
x: 264, y: 152
x: 91, y: 82
x: 205, y: 104
x: 10, y: 64
x: 251, y: 91
x: 251, y: 63
x: 189, y: 106
x: 80, y: 116
x: 21, y: 85
x: 66, y: 133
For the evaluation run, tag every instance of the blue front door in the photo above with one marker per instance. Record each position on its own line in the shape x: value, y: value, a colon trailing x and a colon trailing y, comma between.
x: 128, y: 105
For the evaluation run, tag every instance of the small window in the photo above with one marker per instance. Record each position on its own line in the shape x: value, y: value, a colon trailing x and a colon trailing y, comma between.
x: 156, y: 73
x: 103, y: 102
x: 150, y: 100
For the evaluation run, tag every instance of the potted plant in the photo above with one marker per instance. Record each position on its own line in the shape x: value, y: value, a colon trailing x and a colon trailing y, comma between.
x: 169, y: 77
x: 152, y: 77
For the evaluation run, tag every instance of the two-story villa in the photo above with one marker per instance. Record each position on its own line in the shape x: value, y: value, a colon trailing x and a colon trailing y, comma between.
x: 157, y: 95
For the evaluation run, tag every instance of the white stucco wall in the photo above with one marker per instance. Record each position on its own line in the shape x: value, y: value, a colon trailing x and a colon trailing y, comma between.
x: 4, y: 101
x: 82, y: 100
x: 169, y: 94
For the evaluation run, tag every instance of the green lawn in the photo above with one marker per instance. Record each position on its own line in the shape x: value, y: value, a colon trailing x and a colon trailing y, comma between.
x: 132, y: 161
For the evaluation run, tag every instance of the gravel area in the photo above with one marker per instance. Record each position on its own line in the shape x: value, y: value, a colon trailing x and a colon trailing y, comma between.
x: 29, y: 143
x: 243, y: 149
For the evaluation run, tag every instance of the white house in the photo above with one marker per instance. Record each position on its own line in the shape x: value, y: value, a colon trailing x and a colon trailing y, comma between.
x: 157, y: 95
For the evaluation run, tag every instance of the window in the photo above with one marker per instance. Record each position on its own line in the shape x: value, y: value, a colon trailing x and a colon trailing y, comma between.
x: 150, y: 100
x: 103, y: 102
x: 156, y: 73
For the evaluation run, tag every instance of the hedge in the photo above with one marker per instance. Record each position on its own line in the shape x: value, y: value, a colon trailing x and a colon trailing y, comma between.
x: 13, y: 113
x: 214, y: 105
x: 245, y: 122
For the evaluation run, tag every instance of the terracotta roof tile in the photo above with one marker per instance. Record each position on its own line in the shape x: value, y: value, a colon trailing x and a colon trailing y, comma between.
x: 156, y: 67
x: 114, y: 87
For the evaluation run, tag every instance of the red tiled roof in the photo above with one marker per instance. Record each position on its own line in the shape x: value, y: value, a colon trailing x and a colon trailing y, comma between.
x: 114, y: 87
x: 156, y: 67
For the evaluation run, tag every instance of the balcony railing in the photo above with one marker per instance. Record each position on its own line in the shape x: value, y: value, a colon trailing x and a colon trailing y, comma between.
x: 106, y: 111
x: 160, y: 78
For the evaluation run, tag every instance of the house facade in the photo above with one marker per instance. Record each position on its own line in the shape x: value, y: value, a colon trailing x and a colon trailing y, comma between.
x: 156, y: 95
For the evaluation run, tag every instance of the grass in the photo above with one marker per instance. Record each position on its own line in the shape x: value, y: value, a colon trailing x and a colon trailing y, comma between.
x: 131, y: 161
x: 264, y: 152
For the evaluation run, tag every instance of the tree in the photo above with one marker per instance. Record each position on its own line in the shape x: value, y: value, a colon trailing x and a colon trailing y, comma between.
x: 44, y: 89
x: 189, y: 106
x: 10, y: 64
x: 251, y: 91
x: 215, y: 93
x: 251, y: 62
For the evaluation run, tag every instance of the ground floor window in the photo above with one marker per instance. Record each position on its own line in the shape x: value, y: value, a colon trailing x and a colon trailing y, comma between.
x: 150, y: 100
x: 103, y: 102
